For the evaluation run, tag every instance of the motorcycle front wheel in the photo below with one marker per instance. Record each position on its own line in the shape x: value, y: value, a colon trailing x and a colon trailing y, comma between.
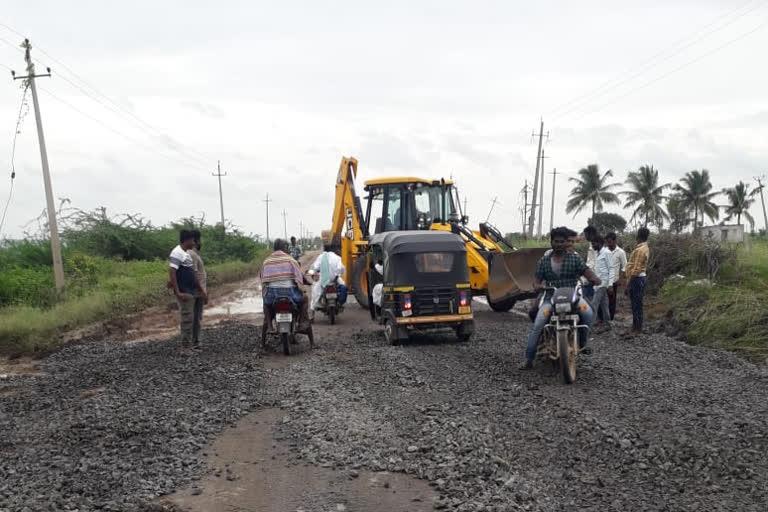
x: 568, y: 355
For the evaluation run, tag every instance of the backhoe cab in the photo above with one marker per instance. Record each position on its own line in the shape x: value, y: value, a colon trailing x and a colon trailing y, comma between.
x: 409, y: 204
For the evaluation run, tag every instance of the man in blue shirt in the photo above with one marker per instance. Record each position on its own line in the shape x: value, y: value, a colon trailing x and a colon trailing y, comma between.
x: 559, y: 269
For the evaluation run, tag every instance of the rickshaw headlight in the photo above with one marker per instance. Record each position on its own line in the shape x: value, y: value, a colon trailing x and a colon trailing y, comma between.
x: 463, y: 298
x: 407, y: 304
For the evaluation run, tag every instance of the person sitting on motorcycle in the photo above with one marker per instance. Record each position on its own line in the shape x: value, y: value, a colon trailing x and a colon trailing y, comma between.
x: 560, y: 269
x: 330, y: 268
x: 281, y: 277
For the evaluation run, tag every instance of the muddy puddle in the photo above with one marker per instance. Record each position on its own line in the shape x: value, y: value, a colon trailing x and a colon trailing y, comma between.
x: 252, y: 471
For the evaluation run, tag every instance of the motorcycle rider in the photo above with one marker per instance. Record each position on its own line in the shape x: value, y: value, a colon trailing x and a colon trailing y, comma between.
x: 329, y: 266
x: 559, y: 269
x: 281, y: 276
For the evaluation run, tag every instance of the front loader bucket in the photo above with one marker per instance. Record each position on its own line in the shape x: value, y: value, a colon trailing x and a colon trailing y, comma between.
x: 511, y: 274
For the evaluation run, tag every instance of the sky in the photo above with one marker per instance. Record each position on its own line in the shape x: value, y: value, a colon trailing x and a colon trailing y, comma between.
x: 146, y: 97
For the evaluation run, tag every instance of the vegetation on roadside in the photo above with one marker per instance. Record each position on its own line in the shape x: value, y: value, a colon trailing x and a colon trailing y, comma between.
x: 113, y: 266
x: 729, y: 312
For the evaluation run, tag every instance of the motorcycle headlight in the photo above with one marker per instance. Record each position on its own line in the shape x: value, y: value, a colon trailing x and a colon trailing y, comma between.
x: 562, y: 307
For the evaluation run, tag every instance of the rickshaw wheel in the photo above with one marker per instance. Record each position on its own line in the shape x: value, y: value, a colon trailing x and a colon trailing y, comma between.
x: 390, y: 333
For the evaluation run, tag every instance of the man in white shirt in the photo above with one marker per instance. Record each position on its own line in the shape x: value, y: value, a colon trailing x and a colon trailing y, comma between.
x: 185, y: 286
x: 619, y: 267
x: 327, y: 267
x: 604, y: 270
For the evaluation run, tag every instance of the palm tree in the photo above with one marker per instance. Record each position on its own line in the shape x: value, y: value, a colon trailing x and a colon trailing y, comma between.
x: 646, y: 196
x: 740, y: 200
x: 696, y: 193
x: 591, y: 187
x: 679, y: 213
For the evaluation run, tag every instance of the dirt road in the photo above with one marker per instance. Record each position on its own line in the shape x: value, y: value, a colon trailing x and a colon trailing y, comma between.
x: 651, y: 424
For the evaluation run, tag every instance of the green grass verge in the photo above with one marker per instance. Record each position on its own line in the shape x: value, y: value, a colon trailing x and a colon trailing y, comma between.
x: 731, y: 314
x: 120, y: 288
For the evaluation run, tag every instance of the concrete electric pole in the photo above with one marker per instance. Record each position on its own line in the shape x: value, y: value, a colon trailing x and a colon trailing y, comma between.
x: 267, y: 200
x: 760, y: 187
x: 221, y: 197
x: 536, y: 180
x: 541, y: 196
x: 58, y: 267
x: 285, y: 224
x: 552, y: 209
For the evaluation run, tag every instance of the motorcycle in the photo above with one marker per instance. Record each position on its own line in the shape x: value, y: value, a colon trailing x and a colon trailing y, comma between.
x: 328, y: 302
x: 559, y: 342
x: 285, y: 321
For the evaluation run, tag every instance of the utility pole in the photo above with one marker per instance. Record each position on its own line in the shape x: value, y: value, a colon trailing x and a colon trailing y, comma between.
x: 525, y: 204
x: 266, y: 201
x: 541, y: 195
x: 58, y: 267
x: 760, y: 186
x: 493, y: 204
x: 552, y: 210
x: 285, y: 224
x: 536, y: 179
x: 301, y: 234
x: 221, y: 197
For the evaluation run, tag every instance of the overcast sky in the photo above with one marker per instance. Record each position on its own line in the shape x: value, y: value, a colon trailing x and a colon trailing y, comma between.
x: 279, y: 91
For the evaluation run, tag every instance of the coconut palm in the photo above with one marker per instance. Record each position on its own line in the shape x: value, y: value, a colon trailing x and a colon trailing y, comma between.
x: 740, y: 200
x: 591, y: 187
x: 679, y: 213
x: 646, y: 196
x: 696, y: 193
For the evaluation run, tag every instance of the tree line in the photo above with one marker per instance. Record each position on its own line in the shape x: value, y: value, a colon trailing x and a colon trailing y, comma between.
x: 675, y: 206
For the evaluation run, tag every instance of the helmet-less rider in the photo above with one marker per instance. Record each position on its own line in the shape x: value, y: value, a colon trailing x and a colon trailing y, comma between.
x: 559, y: 269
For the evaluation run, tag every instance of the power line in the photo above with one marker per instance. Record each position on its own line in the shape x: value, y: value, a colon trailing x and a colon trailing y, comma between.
x: 126, y: 113
x: 649, y: 63
x: 17, y: 129
x: 675, y: 70
x: 116, y: 132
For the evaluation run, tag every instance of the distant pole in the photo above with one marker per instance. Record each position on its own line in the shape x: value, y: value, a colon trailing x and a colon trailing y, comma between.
x: 525, y: 204
x: 465, y: 207
x: 58, y: 267
x: 301, y: 234
x: 541, y: 195
x: 762, y: 200
x: 266, y: 201
x: 493, y: 204
x: 221, y: 197
x: 552, y: 210
x: 285, y: 224
x: 536, y: 180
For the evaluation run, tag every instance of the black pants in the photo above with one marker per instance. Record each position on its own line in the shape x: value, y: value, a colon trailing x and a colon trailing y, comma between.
x: 197, y: 319
x: 636, y: 293
x: 612, y: 300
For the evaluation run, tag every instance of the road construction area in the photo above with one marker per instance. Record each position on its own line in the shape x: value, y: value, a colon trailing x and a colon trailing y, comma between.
x: 359, y: 425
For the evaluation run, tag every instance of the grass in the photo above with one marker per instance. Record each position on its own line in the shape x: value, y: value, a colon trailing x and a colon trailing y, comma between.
x: 115, y: 288
x: 731, y: 314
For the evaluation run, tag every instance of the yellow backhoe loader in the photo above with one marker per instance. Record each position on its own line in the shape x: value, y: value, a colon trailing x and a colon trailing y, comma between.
x: 405, y: 204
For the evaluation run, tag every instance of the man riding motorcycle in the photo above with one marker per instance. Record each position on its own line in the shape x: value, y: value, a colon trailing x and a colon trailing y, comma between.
x: 560, y: 269
x: 282, y: 276
x: 326, y: 268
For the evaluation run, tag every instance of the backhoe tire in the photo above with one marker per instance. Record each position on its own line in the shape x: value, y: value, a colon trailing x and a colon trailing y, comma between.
x: 503, y: 306
x: 360, y: 282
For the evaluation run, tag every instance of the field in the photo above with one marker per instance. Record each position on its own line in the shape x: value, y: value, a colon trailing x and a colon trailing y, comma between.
x: 732, y: 312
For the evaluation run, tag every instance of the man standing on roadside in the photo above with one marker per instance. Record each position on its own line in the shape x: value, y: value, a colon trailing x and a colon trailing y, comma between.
x: 619, y: 267
x: 184, y: 284
x: 604, y: 270
x: 636, y: 275
x: 296, y: 251
x: 202, y: 280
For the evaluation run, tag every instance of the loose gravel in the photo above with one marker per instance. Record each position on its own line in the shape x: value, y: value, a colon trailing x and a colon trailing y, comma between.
x: 113, y: 426
x: 651, y: 423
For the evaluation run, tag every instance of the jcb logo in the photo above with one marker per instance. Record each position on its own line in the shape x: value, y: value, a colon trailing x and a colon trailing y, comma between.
x: 350, y: 224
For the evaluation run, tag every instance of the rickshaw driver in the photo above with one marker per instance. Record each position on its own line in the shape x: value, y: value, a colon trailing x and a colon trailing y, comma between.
x: 560, y: 269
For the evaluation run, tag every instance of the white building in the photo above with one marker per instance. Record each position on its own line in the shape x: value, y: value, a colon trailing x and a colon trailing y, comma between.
x: 724, y: 233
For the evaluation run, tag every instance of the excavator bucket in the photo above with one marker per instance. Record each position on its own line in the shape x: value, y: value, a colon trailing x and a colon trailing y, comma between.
x: 511, y: 276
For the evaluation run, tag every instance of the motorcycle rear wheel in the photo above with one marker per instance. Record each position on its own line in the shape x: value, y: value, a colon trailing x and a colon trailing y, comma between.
x: 284, y: 338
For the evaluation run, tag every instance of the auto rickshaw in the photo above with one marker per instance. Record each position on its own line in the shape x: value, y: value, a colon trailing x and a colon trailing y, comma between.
x: 418, y: 281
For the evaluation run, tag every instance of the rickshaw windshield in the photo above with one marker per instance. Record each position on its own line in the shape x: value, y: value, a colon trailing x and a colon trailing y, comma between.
x: 427, y: 269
